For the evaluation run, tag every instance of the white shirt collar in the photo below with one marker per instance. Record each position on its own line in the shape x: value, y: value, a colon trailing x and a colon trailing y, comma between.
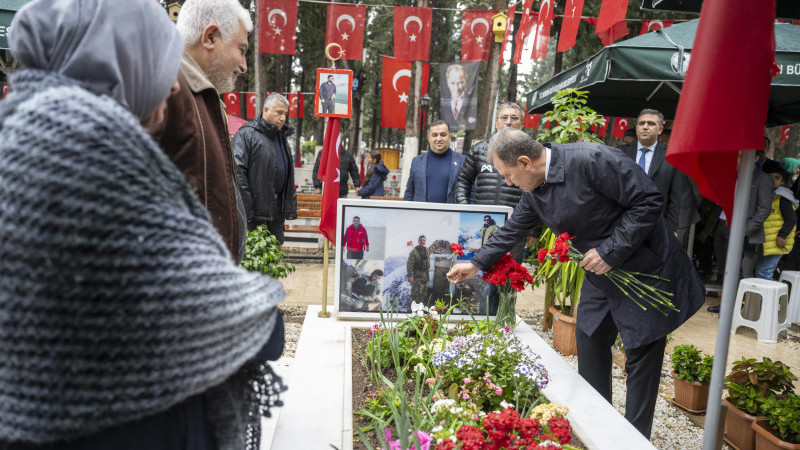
x: 547, y: 153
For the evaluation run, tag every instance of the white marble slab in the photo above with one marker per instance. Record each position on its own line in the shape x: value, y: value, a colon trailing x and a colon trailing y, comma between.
x: 318, y: 404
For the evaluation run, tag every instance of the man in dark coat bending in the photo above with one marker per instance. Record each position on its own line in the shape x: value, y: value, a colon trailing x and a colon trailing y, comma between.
x: 613, y: 209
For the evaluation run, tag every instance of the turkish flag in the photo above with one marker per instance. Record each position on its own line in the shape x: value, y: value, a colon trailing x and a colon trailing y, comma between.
x: 232, y: 104
x: 510, y: 14
x: 476, y: 35
x: 412, y: 33
x: 542, y: 30
x: 296, y: 106
x: 611, y: 12
x: 784, y: 133
x: 724, y: 61
x: 329, y: 174
x: 527, y: 27
x: 607, y: 37
x: 396, y: 79
x: 602, y: 131
x: 654, y: 25
x: 346, y: 28
x: 250, y: 104
x: 531, y: 121
x: 569, y: 25
x: 620, y: 125
x: 277, y: 26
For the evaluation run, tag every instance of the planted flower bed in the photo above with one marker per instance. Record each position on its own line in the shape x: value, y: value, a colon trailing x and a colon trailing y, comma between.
x: 417, y: 384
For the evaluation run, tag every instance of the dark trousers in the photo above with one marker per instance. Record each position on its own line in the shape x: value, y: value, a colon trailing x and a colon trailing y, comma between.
x: 355, y: 255
x: 274, y: 226
x: 643, y: 367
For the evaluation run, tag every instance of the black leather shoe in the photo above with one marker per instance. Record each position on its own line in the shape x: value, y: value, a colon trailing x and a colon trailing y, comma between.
x: 713, y: 309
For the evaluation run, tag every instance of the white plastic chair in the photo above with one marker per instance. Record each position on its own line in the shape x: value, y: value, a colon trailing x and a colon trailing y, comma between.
x: 792, y: 278
x: 767, y: 317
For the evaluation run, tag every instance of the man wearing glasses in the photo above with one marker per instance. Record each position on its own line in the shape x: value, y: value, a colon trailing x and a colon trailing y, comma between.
x: 478, y: 171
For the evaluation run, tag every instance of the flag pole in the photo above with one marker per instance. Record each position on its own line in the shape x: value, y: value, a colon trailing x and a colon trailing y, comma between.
x: 324, y: 313
x: 713, y: 427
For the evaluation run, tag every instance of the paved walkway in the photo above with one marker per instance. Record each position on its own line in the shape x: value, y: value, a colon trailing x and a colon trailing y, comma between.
x: 304, y: 287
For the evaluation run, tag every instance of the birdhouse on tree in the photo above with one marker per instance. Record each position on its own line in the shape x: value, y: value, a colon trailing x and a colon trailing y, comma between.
x: 173, y: 9
x: 499, y: 23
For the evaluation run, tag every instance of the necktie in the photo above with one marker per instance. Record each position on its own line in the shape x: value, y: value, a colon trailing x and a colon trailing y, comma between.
x: 642, y: 161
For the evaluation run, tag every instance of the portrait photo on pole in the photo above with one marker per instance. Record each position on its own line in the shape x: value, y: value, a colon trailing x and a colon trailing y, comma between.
x: 394, y: 257
x: 459, y: 101
x: 333, y: 97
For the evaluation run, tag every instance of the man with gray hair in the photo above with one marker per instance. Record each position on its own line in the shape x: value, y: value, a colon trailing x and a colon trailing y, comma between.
x: 195, y: 135
x: 479, y: 173
x: 612, y: 211
x: 264, y: 167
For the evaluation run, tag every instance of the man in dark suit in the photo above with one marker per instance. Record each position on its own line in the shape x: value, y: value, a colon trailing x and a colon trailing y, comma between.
x: 613, y: 209
x: 460, y: 108
x: 649, y: 154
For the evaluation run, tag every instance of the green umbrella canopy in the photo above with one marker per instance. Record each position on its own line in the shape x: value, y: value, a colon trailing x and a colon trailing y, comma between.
x: 647, y: 71
x: 7, y: 10
x: 786, y: 9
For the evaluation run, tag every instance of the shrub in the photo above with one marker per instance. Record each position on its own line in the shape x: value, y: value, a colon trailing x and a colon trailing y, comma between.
x: 263, y: 253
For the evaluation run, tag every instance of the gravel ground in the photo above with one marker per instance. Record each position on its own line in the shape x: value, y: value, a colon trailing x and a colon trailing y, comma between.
x: 672, y: 428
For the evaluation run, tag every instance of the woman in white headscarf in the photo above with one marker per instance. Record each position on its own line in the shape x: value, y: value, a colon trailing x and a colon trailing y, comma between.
x: 123, y: 322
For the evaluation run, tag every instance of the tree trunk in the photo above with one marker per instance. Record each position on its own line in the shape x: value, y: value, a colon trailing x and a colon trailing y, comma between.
x: 486, y: 101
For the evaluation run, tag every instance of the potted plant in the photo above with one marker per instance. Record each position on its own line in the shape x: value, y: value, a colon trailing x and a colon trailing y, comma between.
x: 571, y: 121
x: 692, y: 374
x: 749, y: 384
x: 562, y: 281
x: 781, y: 428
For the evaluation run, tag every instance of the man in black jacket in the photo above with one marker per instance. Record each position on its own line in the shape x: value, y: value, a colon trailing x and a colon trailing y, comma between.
x: 649, y: 155
x: 478, y: 172
x: 613, y: 209
x: 264, y: 167
x: 347, y: 167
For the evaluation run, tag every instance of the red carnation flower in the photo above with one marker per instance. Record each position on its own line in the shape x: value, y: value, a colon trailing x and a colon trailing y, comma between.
x: 542, y: 256
x: 457, y: 249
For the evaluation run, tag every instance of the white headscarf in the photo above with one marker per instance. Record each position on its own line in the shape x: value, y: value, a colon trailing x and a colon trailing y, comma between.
x: 128, y: 50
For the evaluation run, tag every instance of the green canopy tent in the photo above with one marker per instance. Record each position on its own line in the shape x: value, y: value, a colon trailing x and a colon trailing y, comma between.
x: 647, y: 71
x: 786, y: 9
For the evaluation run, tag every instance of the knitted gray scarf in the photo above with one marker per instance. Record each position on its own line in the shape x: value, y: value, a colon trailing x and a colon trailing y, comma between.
x: 118, y: 299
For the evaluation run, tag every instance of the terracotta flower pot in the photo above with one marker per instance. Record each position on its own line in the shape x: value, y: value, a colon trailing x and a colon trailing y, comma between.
x: 739, y: 432
x: 564, y: 333
x: 765, y: 440
x: 692, y: 397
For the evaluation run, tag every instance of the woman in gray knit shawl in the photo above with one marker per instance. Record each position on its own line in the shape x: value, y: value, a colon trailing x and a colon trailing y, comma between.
x: 124, y: 322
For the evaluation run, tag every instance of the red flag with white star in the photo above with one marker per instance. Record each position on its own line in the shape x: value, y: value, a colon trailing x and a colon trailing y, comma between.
x: 277, y: 23
x: 569, y: 25
x: 607, y: 37
x: 250, y: 104
x: 524, y: 34
x: 620, y: 125
x: 542, y: 31
x: 232, y: 104
x: 785, y: 133
x: 654, y: 25
x: 531, y: 121
x: 329, y: 174
x: 476, y: 35
x: 396, y: 79
x: 346, y: 28
x: 511, y: 11
x: 296, y: 106
x: 412, y: 33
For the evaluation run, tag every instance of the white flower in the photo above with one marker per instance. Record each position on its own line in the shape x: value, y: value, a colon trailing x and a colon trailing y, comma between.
x: 504, y: 404
x: 418, y: 308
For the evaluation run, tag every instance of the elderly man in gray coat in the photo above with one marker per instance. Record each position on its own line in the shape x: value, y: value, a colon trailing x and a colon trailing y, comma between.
x: 613, y: 209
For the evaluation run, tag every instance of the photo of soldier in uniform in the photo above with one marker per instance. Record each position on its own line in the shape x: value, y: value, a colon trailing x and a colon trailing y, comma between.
x: 361, y: 286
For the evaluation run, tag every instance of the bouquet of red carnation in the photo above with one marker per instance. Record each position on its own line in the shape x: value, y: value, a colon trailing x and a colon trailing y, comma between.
x: 457, y: 249
x: 626, y: 281
x: 510, y: 277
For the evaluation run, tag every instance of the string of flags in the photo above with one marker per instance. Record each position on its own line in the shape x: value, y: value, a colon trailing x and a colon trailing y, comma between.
x: 412, y: 28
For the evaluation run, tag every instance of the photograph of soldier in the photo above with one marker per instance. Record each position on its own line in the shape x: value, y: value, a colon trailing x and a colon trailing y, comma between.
x: 327, y: 96
x: 356, y: 240
x: 418, y: 268
x: 333, y: 93
x: 360, y: 286
x: 487, y: 230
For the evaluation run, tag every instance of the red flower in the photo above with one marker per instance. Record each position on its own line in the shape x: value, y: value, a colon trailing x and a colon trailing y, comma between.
x: 457, y: 249
x: 508, y: 272
x: 542, y: 256
x: 446, y: 445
